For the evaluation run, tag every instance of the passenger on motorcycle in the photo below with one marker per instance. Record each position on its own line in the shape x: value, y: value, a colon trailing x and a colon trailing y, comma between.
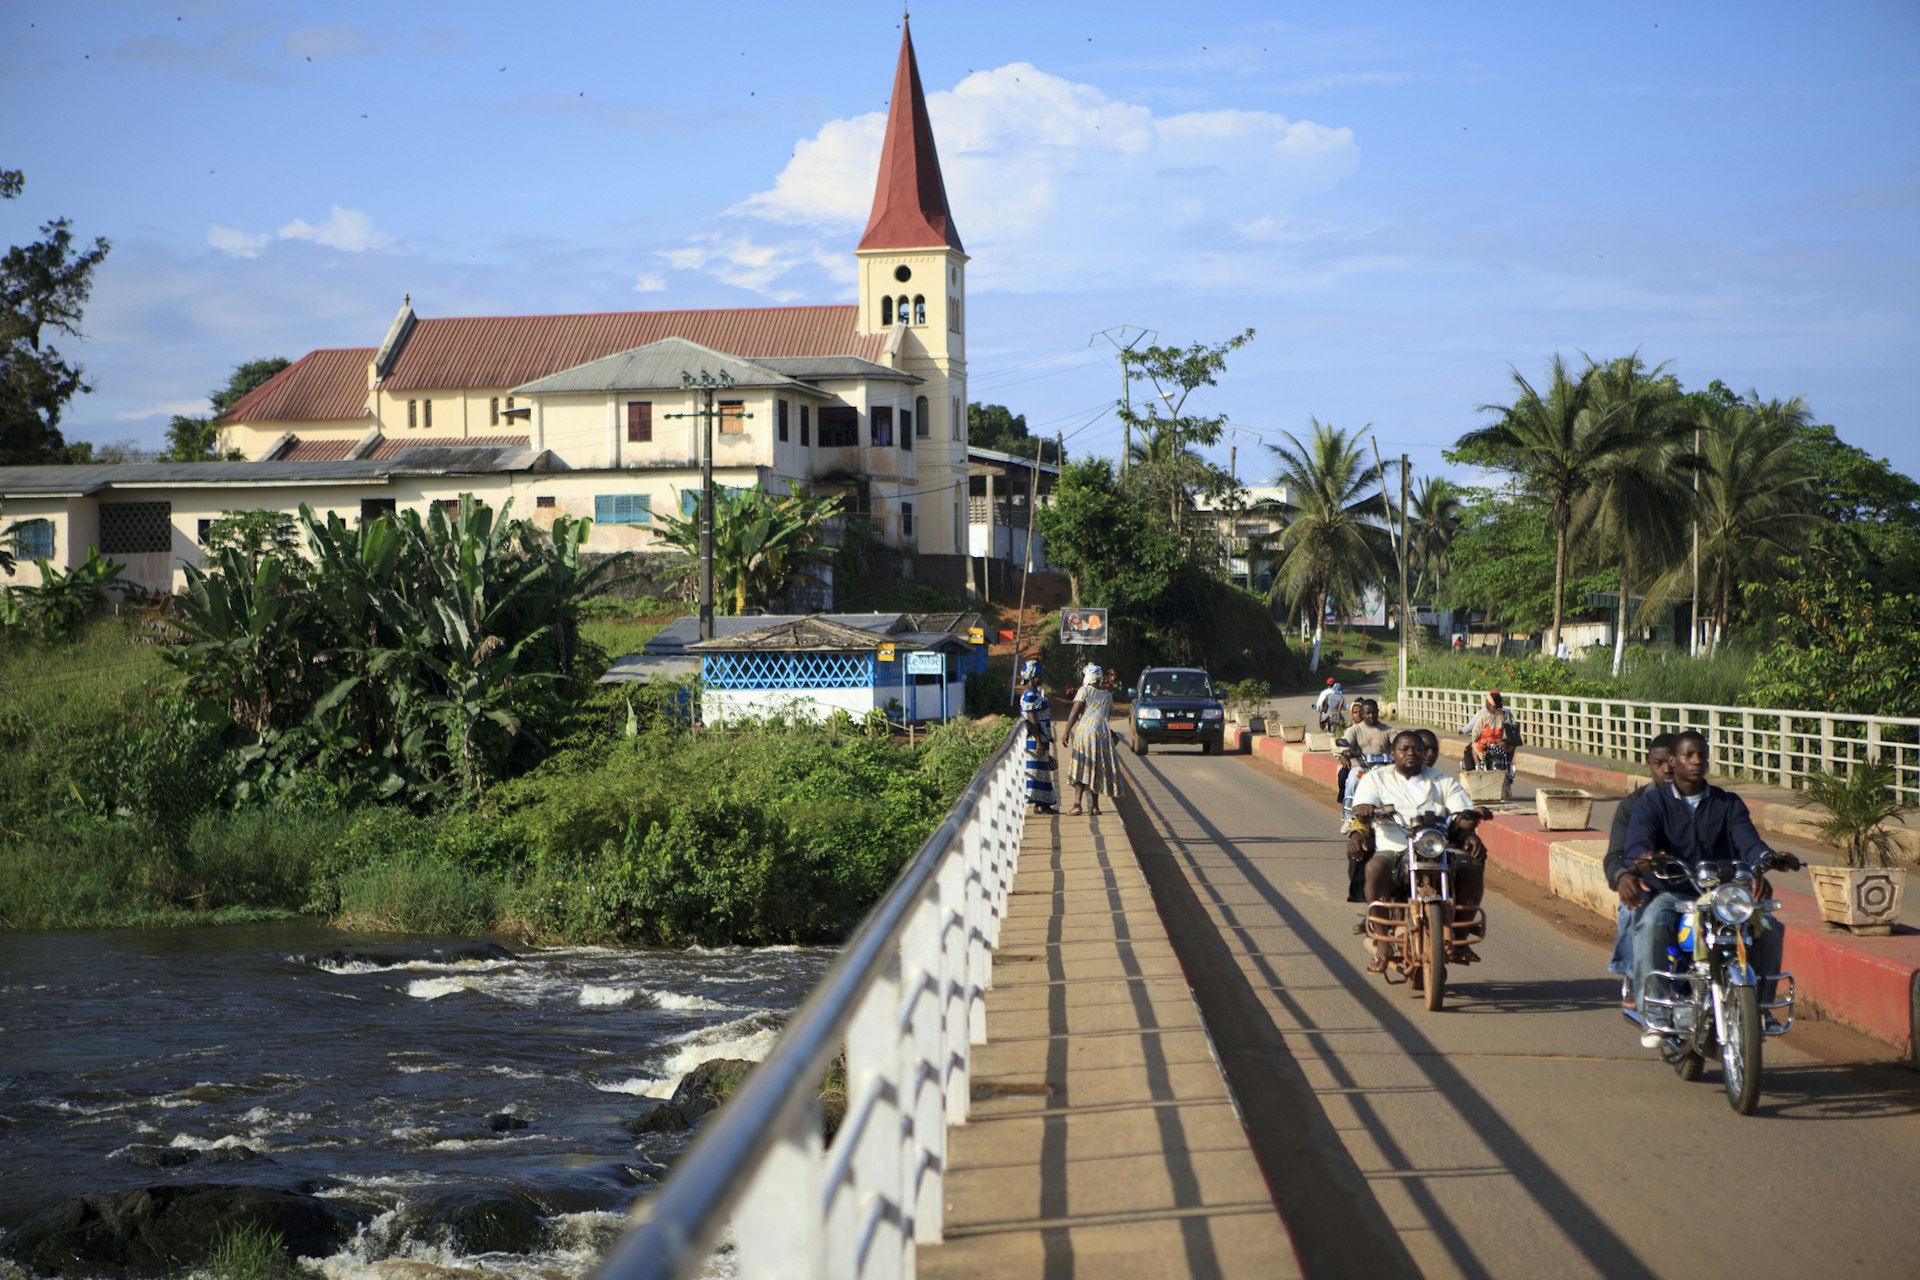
x: 1368, y: 736
x: 1633, y: 893
x: 1692, y: 821
x: 1411, y: 787
x: 1331, y: 705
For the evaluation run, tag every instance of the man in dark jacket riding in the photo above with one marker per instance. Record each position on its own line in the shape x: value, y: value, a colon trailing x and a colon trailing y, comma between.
x: 1692, y: 821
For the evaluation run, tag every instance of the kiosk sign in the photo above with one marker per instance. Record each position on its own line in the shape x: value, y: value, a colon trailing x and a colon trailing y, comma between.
x: 1083, y: 626
x: 926, y: 664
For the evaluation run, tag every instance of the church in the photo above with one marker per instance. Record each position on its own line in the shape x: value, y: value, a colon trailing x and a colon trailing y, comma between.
x: 598, y: 416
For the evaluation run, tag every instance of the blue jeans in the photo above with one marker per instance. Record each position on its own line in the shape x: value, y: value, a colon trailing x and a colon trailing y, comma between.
x: 1653, y: 933
x: 1621, y: 961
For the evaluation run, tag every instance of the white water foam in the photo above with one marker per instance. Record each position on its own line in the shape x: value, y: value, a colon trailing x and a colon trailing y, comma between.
x: 594, y: 997
x: 434, y: 988
x: 354, y: 968
x: 219, y: 1144
x: 577, y: 1242
x: 677, y: 1002
x: 727, y: 1040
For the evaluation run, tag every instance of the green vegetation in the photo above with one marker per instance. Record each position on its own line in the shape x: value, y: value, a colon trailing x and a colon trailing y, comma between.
x: 1856, y: 809
x: 1721, y: 680
x: 44, y: 286
x: 994, y: 426
x: 398, y: 729
x: 253, y: 1251
x: 761, y: 542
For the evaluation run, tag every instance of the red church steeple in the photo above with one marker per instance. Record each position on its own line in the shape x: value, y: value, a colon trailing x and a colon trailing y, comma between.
x: 909, y: 200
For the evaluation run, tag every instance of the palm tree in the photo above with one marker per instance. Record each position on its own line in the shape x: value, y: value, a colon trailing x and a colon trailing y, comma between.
x: 1759, y: 502
x: 1432, y: 519
x: 1331, y: 547
x: 1556, y: 445
x: 1640, y: 501
x: 760, y: 542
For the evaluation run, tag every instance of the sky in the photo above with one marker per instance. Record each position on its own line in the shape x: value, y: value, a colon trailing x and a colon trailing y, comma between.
x: 1407, y: 202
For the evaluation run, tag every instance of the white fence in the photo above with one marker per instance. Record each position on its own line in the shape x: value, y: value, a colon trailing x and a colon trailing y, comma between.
x: 907, y: 997
x: 1768, y: 745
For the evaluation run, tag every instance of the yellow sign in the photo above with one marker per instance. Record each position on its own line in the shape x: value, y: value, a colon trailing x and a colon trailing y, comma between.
x: 886, y: 653
x: 977, y: 635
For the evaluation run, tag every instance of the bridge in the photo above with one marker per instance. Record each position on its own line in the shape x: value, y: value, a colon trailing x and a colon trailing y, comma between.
x: 1145, y: 1044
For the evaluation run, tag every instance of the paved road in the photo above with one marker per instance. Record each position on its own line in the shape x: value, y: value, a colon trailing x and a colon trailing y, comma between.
x: 1522, y: 1131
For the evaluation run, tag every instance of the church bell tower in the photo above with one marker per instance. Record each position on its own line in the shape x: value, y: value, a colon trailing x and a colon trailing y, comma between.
x: 913, y: 278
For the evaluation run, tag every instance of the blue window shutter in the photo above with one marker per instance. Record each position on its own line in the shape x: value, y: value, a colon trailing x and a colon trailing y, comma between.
x: 623, y: 508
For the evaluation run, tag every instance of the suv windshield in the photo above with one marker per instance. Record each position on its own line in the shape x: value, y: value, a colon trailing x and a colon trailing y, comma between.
x: 1175, y: 684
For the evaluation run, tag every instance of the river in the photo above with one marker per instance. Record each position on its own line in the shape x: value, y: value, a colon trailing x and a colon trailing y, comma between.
x: 391, y: 1074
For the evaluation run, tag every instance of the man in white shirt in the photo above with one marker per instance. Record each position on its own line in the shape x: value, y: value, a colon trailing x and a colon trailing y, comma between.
x: 1411, y: 789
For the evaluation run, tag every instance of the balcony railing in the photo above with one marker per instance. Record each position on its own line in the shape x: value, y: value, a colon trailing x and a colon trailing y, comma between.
x: 907, y: 998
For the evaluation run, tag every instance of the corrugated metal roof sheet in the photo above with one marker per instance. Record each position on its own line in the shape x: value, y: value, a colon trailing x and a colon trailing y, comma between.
x: 325, y: 385
x: 484, y: 352
x: 816, y: 633
x: 26, y: 481
x: 393, y: 447
x: 819, y: 368
x: 657, y: 366
x: 681, y: 632
x: 316, y: 451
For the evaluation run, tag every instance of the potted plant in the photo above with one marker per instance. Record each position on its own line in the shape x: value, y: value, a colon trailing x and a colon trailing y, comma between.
x: 1248, y: 701
x: 1864, y: 895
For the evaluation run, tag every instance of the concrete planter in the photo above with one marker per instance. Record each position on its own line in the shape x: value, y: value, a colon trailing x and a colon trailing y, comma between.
x: 1865, y: 900
x: 1319, y: 742
x: 1293, y: 733
x: 1562, y: 809
x: 1484, y: 786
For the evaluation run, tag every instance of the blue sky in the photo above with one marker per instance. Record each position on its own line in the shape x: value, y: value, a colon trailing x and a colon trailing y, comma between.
x: 1404, y: 200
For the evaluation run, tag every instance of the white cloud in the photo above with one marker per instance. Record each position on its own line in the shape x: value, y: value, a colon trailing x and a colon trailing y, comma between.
x: 346, y: 229
x: 349, y: 230
x: 1056, y: 185
x: 166, y: 409
x: 651, y: 282
x: 236, y: 243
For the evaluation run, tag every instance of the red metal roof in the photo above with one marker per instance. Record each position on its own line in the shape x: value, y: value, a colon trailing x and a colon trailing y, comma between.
x: 486, y: 352
x: 317, y: 451
x: 909, y: 199
x: 392, y: 445
x: 325, y: 385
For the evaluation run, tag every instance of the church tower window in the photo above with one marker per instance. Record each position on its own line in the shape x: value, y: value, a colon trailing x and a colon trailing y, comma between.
x: 919, y: 308
x: 886, y: 312
x: 902, y: 304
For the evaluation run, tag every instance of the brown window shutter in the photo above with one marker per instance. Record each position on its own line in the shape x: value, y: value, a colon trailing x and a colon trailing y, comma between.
x: 639, y: 421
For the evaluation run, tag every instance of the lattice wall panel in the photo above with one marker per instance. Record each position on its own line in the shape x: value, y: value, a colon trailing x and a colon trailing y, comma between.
x: 130, y: 528
x: 787, y: 671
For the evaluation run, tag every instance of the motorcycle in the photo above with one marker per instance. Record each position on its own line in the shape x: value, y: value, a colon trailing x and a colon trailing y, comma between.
x: 1332, y: 716
x: 1413, y: 936
x: 1714, y: 1006
x: 1359, y: 765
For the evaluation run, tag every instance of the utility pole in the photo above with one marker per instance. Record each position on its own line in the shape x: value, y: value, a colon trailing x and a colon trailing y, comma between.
x: 1693, y: 618
x: 1126, y: 384
x: 1406, y: 610
x: 706, y: 384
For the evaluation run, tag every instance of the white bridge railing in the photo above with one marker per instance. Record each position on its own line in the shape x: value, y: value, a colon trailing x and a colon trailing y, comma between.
x: 1767, y: 745
x: 907, y: 998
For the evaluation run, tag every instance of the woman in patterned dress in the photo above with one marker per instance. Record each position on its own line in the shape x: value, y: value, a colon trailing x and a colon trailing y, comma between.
x: 1039, y: 721
x: 1094, y: 765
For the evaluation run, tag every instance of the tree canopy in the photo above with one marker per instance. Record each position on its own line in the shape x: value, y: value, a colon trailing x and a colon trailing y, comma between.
x: 196, y: 438
x: 994, y: 426
x: 44, y: 288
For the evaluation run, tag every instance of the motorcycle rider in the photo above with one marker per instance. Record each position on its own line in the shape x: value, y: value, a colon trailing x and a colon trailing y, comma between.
x: 1693, y: 821
x: 1633, y: 891
x: 1331, y: 705
x: 1488, y: 728
x: 1412, y: 787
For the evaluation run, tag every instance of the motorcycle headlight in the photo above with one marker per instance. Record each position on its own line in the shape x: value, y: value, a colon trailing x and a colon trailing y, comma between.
x: 1733, y: 904
x: 1430, y: 845
x: 1210, y: 713
x: 1149, y: 713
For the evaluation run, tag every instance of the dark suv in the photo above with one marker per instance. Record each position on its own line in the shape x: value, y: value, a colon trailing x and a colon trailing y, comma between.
x: 1176, y: 704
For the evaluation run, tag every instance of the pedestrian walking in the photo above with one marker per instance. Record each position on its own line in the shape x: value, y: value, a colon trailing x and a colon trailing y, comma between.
x: 1093, y: 765
x: 1036, y: 713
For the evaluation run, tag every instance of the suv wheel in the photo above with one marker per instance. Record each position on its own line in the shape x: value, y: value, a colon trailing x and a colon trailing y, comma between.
x: 1139, y: 745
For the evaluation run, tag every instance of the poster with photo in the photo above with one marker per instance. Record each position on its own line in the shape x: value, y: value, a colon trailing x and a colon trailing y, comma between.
x: 1083, y: 626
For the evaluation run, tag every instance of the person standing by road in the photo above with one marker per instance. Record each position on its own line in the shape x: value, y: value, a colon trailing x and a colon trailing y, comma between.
x: 1036, y: 713
x: 1092, y: 763
x: 1633, y: 891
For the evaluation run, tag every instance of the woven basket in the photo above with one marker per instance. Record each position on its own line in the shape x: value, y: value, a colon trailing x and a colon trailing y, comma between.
x: 1563, y: 810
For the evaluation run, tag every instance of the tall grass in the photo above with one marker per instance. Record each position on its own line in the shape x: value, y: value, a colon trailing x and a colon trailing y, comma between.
x: 1720, y: 680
